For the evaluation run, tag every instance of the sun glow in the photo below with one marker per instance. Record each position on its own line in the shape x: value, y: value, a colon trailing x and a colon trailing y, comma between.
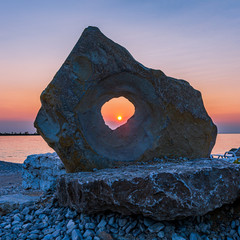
x: 119, y: 118
x: 117, y: 111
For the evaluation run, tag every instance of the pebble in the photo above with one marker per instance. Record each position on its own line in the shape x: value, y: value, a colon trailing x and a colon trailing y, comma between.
x: 161, y: 234
x: 49, y: 221
x: 155, y: 228
x: 194, y: 236
x: 76, y: 235
x: 88, y: 233
x: 90, y: 226
x: 175, y: 236
x: 71, y: 225
x: 102, y: 224
x: 233, y: 224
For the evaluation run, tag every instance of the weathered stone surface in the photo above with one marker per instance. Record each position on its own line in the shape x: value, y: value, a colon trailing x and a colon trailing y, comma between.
x: 161, y: 191
x: 40, y: 171
x: 170, y: 118
x: 13, y: 201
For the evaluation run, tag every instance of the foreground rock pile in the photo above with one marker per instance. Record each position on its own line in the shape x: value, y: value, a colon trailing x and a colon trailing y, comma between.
x: 46, y: 220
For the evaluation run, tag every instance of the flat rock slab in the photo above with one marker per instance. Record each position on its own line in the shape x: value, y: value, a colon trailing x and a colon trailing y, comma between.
x: 162, y: 191
x: 13, y: 201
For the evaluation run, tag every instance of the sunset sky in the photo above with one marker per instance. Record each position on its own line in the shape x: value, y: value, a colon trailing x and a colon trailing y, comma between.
x: 117, y: 111
x: 198, y: 41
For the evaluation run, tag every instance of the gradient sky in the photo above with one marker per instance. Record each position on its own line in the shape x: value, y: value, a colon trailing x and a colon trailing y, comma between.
x: 198, y: 41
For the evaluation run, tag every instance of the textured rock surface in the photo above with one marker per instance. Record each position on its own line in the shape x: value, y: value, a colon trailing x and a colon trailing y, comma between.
x: 13, y: 201
x: 40, y: 171
x: 170, y: 118
x: 161, y: 191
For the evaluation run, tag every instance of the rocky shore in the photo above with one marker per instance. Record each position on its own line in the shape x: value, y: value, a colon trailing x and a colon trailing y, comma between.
x: 45, y: 219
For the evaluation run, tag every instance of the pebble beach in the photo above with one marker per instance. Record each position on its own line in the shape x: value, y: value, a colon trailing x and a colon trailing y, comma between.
x: 47, y: 220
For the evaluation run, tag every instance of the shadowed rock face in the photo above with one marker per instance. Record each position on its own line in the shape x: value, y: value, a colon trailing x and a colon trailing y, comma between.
x: 163, y: 191
x: 170, y: 119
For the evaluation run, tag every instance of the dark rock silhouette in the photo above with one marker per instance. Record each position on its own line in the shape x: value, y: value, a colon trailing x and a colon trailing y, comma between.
x: 163, y: 191
x: 170, y: 118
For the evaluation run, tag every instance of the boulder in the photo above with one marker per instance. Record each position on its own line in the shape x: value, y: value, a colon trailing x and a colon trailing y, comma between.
x: 40, y: 171
x: 162, y: 191
x: 170, y: 118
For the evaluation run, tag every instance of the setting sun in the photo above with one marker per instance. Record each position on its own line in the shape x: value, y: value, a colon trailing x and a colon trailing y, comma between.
x: 117, y: 111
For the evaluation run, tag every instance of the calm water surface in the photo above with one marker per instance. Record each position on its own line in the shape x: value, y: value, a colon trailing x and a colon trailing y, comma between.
x: 17, y: 148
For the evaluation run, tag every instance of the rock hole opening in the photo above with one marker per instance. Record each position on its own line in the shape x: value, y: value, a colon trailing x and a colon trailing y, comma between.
x: 117, y: 111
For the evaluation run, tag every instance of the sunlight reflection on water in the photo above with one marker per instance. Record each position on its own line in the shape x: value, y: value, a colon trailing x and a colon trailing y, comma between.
x: 17, y: 148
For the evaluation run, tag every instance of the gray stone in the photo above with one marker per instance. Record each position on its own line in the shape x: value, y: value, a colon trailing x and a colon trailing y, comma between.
x: 88, y: 238
x: 161, y: 234
x: 156, y: 227
x: 48, y: 237
x: 170, y: 118
x: 26, y: 226
x: 16, y: 229
x: 71, y: 225
x: 148, y: 222
x: 136, y: 232
x: 16, y: 217
x: 111, y: 221
x: 34, y: 236
x: 35, y: 232
x: 141, y: 237
x: 76, y: 235
x: 162, y: 191
x: 102, y: 223
x: 88, y: 233
x: 14, y: 201
x: 90, y: 226
x: 25, y: 211
x: 15, y: 222
x: 175, y: 236
x: 48, y: 231
x: 96, y: 238
x: 40, y: 171
x: 131, y: 226
x: 233, y: 224
x: 66, y: 238
x: 56, y: 233
x: 122, y: 222
x: 70, y: 214
x: 194, y: 236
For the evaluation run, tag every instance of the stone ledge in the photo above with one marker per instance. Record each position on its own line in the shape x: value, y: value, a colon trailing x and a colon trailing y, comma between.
x: 8, y: 203
x: 160, y: 191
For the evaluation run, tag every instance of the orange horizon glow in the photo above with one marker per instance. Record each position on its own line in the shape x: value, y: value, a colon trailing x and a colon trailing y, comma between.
x: 117, y: 111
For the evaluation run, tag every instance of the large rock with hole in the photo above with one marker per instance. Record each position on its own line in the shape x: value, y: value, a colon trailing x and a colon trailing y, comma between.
x: 163, y: 191
x: 170, y: 118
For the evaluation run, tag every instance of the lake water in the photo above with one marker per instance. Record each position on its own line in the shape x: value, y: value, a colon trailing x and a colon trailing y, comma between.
x: 17, y: 148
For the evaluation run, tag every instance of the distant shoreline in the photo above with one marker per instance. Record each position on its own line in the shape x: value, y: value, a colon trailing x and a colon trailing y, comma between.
x: 19, y: 134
